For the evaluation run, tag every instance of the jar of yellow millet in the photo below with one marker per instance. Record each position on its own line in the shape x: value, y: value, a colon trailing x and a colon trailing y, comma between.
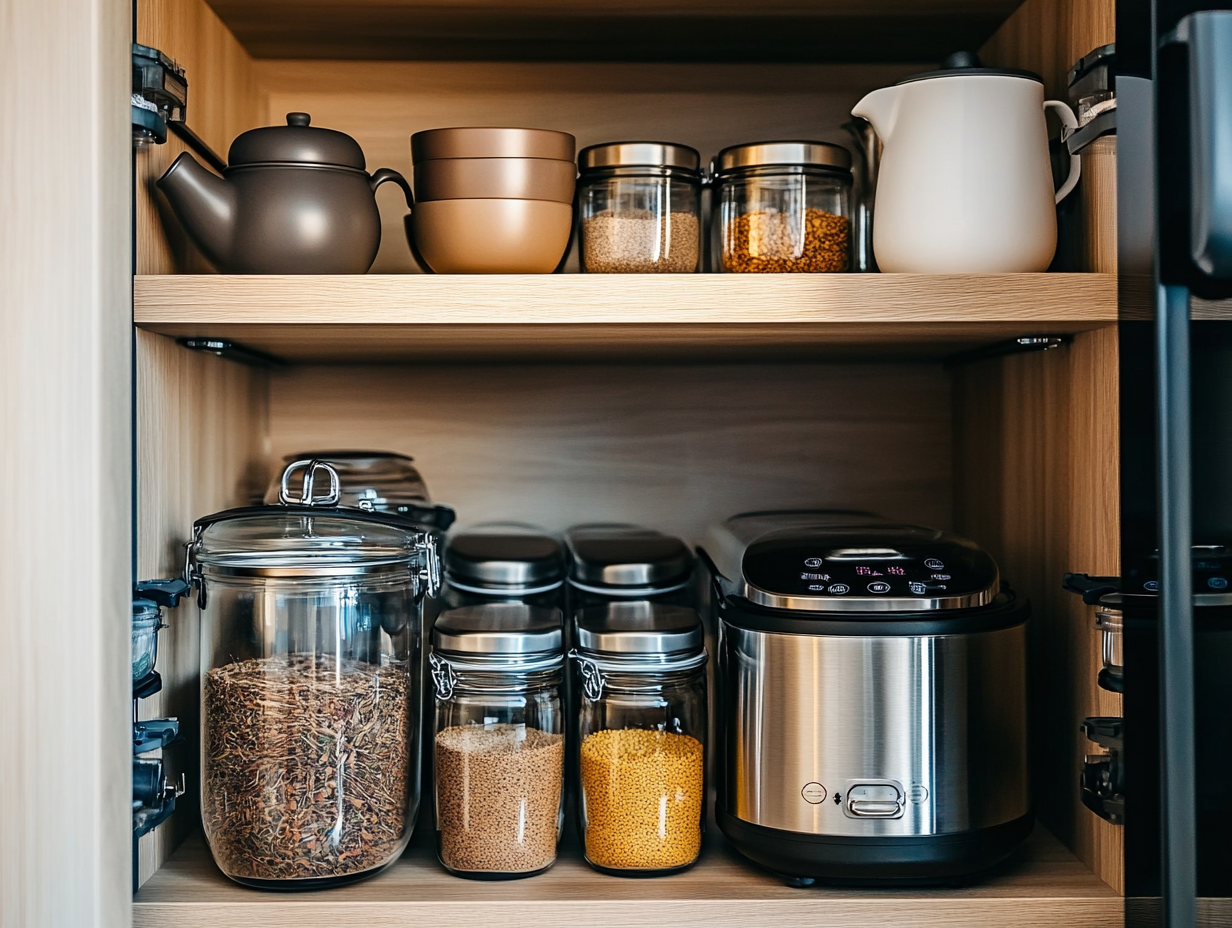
x: 641, y: 678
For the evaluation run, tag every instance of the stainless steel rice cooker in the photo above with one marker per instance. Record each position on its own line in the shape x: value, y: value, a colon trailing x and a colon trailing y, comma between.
x: 873, y: 694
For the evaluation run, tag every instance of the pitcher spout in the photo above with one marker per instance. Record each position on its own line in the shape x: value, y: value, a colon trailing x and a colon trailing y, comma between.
x: 880, y: 108
x: 204, y: 203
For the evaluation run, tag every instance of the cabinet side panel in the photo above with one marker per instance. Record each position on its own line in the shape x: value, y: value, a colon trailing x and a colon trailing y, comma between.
x: 202, y: 427
x: 222, y: 103
x: 1048, y: 36
x: 65, y: 441
x: 1037, y: 482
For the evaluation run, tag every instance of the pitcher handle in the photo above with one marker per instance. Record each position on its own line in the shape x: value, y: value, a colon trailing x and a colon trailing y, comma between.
x: 1069, y: 124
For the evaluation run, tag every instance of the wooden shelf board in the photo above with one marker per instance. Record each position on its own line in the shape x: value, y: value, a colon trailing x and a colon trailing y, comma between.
x: 427, y: 317
x: 1045, y: 886
x: 613, y: 30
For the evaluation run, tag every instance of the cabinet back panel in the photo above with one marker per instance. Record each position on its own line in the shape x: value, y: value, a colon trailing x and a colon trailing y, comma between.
x: 674, y: 447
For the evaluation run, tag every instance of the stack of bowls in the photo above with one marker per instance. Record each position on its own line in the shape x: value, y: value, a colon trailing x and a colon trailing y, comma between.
x: 492, y: 201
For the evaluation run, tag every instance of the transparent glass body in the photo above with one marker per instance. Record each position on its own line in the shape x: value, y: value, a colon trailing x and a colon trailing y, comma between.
x: 784, y: 219
x: 1111, y: 627
x: 639, y: 221
x: 310, y: 735
x: 146, y: 623
x: 499, y: 751
x: 641, y: 751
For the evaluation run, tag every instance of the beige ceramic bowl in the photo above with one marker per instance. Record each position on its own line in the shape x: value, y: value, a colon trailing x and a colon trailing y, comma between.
x: 492, y: 236
x: 495, y: 178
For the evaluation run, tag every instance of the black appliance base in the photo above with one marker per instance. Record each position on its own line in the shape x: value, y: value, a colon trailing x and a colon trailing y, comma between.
x: 877, y: 860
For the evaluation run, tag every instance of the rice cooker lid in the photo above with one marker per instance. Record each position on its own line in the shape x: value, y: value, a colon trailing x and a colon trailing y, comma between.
x: 627, y: 560
x: 868, y: 568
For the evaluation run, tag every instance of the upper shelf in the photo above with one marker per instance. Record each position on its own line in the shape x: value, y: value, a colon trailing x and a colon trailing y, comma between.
x: 427, y: 317
x: 613, y: 30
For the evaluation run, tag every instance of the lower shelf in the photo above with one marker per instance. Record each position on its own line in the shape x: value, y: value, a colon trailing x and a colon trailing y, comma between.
x: 1044, y: 887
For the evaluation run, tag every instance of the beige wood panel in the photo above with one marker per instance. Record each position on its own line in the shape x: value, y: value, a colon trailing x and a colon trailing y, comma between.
x: 222, y: 102
x: 1045, y: 888
x: 201, y: 435
x: 676, y: 447
x: 619, y: 30
x: 65, y: 532
x: 1036, y: 482
x: 399, y: 299
x: 1048, y: 36
x: 706, y: 106
x: 1098, y: 212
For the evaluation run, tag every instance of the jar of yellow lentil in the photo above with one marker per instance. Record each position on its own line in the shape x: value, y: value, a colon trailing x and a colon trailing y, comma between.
x: 641, y: 678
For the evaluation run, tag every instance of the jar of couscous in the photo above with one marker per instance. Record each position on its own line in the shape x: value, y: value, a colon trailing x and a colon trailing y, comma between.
x: 640, y: 672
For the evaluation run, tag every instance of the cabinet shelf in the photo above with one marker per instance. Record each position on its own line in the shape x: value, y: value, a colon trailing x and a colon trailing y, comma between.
x: 1045, y: 886
x: 578, y: 316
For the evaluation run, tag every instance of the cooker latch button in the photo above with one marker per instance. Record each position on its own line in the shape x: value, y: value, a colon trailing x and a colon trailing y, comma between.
x: 874, y: 799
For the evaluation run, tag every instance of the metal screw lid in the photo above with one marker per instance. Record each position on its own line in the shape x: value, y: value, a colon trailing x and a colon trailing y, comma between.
x: 639, y: 629
x: 788, y: 153
x: 506, y: 630
x: 639, y: 154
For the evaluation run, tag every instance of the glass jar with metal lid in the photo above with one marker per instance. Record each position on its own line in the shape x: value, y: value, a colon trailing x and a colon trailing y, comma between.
x: 613, y: 560
x: 639, y: 206
x: 310, y: 685
x: 503, y: 562
x: 784, y: 207
x: 498, y: 743
x: 640, y: 670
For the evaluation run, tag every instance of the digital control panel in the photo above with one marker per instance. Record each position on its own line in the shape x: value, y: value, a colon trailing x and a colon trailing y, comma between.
x: 878, y: 567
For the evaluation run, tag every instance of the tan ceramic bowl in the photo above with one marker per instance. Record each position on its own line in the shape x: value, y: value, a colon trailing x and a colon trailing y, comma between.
x: 495, y: 178
x: 492, y: 236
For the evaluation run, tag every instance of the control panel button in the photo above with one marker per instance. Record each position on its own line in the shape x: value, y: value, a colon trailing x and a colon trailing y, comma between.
x: 879, y: 586
x: 812, y: 562
x: 919, y: 589
x: 933, y: 564
x: 1151, y: 586
x: 919, y: 793
x: 838, y: 589
x: 874, y: 799
x: 813, y: 793
x: 1217, y: 583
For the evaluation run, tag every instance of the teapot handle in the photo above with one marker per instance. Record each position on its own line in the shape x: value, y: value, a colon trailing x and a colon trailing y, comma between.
x: 1069, y: 124
x: 381, y: 175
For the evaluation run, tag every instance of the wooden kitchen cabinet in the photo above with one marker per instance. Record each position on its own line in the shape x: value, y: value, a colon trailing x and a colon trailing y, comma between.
x: 673, y: 401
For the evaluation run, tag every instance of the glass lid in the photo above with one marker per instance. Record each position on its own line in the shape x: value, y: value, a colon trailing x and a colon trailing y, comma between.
x: 309, y: 534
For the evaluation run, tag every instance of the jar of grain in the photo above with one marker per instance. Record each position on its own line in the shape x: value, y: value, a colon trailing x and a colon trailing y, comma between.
x: 784, y: 207
x: 310, y: 702
x: 639, y: 207
x: 498, y: 741
x: 640, y: 669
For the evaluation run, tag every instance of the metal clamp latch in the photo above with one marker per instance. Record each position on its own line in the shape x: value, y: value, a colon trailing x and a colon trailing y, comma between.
x: 593, y: 680
x: 307, y: 496
x: 430, y: 572
x: 443, y: 676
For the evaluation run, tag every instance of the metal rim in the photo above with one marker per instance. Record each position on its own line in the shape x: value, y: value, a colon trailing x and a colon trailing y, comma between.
x: 825, y: 155
x: 640, y: 154
x: 865, y: 604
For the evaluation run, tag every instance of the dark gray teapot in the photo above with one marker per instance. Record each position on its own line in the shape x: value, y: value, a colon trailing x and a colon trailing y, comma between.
x: 293, y: 200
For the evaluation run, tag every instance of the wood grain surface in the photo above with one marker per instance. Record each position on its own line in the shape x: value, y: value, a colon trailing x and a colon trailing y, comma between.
x: 1045, y: 887
x: 201, y: 428
x: 676, y: 447
x: 686, y: 30
x: 1049, y: 36
x: 1036, y: 482
x: 222, y: 102
x: 65, y: 445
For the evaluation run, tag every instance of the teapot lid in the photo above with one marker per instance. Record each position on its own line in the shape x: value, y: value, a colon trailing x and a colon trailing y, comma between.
x: 968, y: 64
x: 297, y: 142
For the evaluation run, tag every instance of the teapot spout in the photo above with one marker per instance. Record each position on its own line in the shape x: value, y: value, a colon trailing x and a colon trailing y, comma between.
x: 204, y: 203
x: 880, y: 108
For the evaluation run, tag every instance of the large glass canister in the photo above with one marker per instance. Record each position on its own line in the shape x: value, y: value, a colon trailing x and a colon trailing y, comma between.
x: 498, y: 742
x: 784, y: 207
x: 639, y: 207
x: 311, y: 683
x: 642, y: 736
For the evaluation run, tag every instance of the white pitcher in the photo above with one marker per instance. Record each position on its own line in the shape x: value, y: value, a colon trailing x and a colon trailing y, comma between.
x: 965, y: 185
